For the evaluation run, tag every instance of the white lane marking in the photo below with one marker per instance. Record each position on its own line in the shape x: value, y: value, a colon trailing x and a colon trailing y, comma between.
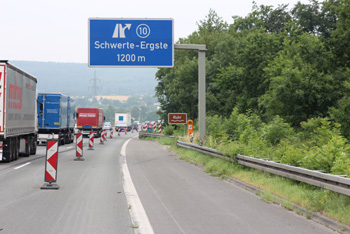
x: 137, y: 212
x: 21, y: 166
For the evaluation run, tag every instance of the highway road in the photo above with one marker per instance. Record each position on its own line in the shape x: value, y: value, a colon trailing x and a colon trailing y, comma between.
x: 127, y: 186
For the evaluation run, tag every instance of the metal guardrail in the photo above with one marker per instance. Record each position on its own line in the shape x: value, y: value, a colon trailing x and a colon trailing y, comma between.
x: 334, y: 183
x: 145, y: 134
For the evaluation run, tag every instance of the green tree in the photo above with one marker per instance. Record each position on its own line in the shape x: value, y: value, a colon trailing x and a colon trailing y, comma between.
x: 300, y: 87
x: 263, y: 18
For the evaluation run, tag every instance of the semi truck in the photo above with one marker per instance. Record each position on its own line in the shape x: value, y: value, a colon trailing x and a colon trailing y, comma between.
x: 122, y: 121
x: 90, y: 119
x: 55, y: 118
x: 18, y: 123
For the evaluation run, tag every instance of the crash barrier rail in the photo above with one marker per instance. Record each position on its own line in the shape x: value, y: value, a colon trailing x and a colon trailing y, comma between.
x: 145, y: 134
x: 336, y: 183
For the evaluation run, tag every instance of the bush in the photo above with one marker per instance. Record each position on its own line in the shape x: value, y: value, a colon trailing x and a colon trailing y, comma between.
x: 276, y: 130
x: 323, y: 157
x: 215, y: 127
x: 290, y: 154
x: 169, y: 130
x: 237, y: 124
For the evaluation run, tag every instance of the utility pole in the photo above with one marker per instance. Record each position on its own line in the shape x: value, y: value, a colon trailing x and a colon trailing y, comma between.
x: 94, y: 86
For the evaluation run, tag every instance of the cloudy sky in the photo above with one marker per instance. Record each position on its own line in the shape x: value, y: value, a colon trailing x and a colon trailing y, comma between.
x: 52, y: 30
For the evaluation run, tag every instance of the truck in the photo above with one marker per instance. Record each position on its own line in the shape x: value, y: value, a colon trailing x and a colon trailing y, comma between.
x: 18, y: 110
x: 90, y: 119
x: 122, y: 121
x: 56, y: 118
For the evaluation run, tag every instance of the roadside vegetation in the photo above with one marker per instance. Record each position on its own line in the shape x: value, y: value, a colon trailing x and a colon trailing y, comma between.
x: 278, y: 84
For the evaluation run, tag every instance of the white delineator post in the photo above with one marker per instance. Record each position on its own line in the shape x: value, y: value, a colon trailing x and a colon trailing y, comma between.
x: 51, y: 165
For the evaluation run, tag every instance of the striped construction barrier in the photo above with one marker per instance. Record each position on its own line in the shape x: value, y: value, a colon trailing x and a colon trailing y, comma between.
x: 155, y: 127
x: 104, y: 135
x: 91, y: 141
x: 111, y: 133
x: 79, y: 147
x: 159, y: 128
x: 51, y: 165
x: 101, y: 138
x: 118, y: 131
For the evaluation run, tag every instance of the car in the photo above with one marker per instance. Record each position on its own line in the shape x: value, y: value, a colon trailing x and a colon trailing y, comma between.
x: 107, y: 126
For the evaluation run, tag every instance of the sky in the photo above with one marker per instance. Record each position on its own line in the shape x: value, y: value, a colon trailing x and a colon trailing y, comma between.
x: 57, y: 31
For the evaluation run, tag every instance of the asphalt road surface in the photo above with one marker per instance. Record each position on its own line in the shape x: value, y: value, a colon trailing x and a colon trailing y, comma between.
x: 180, y: 198
x: 90, y: 198
x: 97, y: 196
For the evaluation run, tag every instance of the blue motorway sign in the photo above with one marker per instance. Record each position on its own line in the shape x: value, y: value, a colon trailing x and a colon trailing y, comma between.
x: 131, y: 42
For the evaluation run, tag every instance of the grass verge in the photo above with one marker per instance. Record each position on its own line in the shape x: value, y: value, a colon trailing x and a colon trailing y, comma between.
x: 312, y: 198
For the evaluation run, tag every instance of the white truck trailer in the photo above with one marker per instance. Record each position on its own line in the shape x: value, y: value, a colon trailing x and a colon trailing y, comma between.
x: 18, y: 112
x: 122, y: 121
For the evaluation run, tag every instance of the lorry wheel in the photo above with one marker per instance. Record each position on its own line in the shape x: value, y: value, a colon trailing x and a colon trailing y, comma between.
x: 27, y: 147
x: 6, y: 157
x: 32, y: 145
x: 16, y: 148
x: 8, y: 150
x: 11, y: 153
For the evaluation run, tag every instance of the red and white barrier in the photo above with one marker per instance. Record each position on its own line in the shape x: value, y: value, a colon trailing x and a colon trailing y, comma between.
x: 145, y: 127
x: 159, y: 128
x: 51, y: 165
x: 101, y: 138
x: 119, y: 132
x: 79, y: 147
x: 126, y: 130
x: 103, y: 135
x: 91, y: 141
x: 111, y: 133
x: 155, y: 127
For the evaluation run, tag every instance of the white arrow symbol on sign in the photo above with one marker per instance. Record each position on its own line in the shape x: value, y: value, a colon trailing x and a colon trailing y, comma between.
x: 119, y: 31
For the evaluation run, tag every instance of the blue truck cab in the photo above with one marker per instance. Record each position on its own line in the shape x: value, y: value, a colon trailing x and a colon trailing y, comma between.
x: 55, y: 118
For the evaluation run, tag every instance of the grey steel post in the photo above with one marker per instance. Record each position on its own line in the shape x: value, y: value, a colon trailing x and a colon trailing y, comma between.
x: 201, y: 84
x: 201, y: 94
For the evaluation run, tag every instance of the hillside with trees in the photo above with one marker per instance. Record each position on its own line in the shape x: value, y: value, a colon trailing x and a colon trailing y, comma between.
x: 278, y: 83
x: 75, y: 79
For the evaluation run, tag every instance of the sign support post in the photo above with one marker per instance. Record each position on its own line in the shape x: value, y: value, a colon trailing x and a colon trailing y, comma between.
x: 201, y: 84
